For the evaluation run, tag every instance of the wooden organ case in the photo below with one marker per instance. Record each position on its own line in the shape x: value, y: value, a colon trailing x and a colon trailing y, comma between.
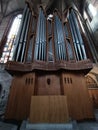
x: 49, y: 60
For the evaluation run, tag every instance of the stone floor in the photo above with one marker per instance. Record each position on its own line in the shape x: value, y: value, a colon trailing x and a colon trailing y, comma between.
x: 73, y: 125
x: 7, y: 126
x: 88, y: 126
x: 70, y: 126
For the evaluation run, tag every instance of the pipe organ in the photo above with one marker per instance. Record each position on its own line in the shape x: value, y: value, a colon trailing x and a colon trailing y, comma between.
x: 40, y: 38
x: 49, y: 59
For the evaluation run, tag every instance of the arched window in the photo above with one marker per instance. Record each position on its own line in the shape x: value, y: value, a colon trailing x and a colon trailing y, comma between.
x: 9, y: 45
x: 90, y: 11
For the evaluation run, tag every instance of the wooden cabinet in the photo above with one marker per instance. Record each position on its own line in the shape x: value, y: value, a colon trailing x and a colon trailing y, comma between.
x: 71, y: 85
x: 79, y: 103
x: 22, y: 89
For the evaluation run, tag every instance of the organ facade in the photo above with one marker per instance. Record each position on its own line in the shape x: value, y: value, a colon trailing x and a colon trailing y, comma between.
x: 49, y: 59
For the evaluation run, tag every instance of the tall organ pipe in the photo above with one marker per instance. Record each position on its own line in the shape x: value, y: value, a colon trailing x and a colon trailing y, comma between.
x: 21, y: 40
x: 73, y: 36
x: 77, y: 41
x: 76, y: 37
x: 79, y: 34
x: 69, y: 47
x: 43, y: 43
x: 59, y: 39
x: 40, y: 35
x: 16, y: 43
x: 56, y: 40
x: 37, y: 38
x: 40, y: 45
x: 25, y: 38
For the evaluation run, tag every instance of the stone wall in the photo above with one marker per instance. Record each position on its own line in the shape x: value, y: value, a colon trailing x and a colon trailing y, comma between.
x: 3, y: 25
x: 5, y: 83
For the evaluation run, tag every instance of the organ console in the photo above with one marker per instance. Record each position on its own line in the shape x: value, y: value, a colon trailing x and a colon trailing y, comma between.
x: 51, y: 53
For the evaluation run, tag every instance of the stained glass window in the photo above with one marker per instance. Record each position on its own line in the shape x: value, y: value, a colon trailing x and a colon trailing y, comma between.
x: 9, y: 45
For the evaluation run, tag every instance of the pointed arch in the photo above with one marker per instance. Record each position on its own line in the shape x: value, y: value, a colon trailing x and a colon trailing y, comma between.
x: 10, y: 38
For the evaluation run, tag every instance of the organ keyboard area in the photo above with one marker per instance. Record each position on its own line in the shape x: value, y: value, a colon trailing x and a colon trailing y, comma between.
x: 44, y: 40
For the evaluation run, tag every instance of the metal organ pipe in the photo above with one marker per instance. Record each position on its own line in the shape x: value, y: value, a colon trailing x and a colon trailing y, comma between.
x: 39, y: 48
x: 81, y: 44
x: 69, y: 47
x: 59, y: 39
x: 50, y: 40
x: 56, y: 40
x: 73, y: 36
x: 16, y: 43
x: 40, y: 37
x: 21, y: 43
x: 76, y: 38
x: 62, y: 41
x: 21, y: 40
x: 37, y: 40
x: 40, y: 34
x: 44, y: 39
x: 40, y: 45
x: 25, y: 38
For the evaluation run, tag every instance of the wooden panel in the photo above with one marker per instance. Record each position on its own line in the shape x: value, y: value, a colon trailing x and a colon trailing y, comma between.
x: 39, y: 109
x: 94, y: 97
x: 49, y: 109
x: 22, y: 88
x: 48, y: 84
x: 58, y: 109
x: 79, y: 103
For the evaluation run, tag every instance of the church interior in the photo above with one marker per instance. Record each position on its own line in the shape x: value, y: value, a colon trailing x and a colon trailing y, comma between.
x: 48, y: 64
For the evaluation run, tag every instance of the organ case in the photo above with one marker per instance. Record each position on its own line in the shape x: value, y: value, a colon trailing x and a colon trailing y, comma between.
x: 51, y: 50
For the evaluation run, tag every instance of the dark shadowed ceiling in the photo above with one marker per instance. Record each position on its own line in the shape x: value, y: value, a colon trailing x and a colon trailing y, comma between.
x: 9, y: 6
